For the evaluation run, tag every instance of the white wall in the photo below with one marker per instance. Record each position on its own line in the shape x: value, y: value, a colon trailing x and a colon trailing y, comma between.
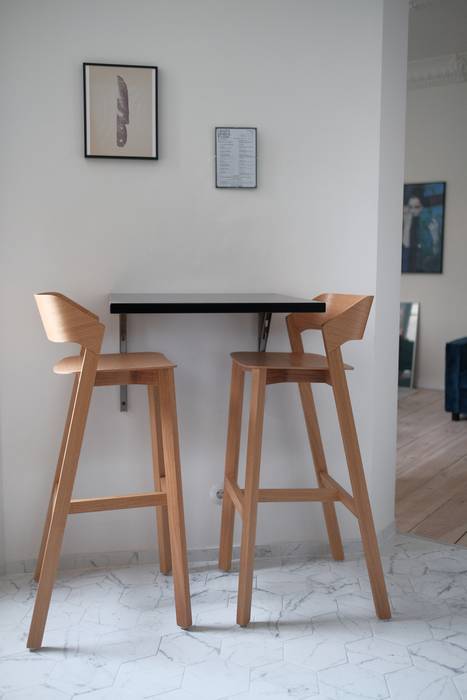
x: 2, y: 525
x: 437, y: 27
x: 393, y: 106
x: 436, y: 149
x: 309, y: 75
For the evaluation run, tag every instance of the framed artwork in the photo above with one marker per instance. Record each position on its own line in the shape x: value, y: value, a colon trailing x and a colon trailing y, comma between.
x: 236, y: 163
x: 423, y: 227
x: 408, y: 328
x: 120, y: 111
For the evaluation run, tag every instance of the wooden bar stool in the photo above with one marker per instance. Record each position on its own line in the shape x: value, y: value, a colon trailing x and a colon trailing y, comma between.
x: 66, y: 321
x: 345, y: 319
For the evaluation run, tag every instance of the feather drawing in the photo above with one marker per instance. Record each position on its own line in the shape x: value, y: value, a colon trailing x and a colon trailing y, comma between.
x: 123, y: 112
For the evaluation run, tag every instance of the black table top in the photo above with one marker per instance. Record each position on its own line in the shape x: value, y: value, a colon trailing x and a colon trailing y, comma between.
x: 209, y: 303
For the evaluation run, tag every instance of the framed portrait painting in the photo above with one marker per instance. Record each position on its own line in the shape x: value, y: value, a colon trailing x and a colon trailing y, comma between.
x: 120, y: 111
x: 423, y: 227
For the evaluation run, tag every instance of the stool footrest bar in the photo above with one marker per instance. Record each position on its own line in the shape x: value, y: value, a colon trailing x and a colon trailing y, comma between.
x: 332, y: 492
x: 292, y: 495
x: 343, y: 495
x: 136, y: 500
x: 236, y: 494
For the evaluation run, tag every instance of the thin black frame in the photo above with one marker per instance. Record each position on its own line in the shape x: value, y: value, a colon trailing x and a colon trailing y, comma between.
x: 236, y: 187
x: 414, y: 349
x: 122, y: 65
x: 441, y: 255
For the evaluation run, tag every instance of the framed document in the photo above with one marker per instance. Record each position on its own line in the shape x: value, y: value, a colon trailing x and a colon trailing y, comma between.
x: 120, y: 111
x: 236, y: 163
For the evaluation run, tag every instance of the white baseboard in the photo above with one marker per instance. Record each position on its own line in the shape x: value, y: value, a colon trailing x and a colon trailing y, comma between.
x: 279, y: 552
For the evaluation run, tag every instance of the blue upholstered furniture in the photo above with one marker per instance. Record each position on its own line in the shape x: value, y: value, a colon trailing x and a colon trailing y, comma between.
x: 456, y: 377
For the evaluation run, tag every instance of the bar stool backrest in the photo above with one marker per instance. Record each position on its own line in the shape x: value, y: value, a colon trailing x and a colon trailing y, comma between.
x: 65, y: 321
x: 345, y: 319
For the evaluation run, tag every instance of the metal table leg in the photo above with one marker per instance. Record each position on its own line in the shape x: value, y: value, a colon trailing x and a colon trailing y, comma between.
x: 123, y: 348
x: 264, y: 323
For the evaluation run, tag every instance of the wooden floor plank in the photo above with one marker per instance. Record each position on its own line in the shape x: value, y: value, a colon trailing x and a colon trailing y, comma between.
x: 416, y: 399
x: 427, y: 460
x: 463, y: 540
x: 422, y: 421
x: 429, y: 494
x: 431, y: 484
x: 427, y: 444
x: 448, y: 523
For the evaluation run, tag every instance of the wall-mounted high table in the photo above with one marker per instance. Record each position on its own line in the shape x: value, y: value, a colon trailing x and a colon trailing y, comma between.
x: 262, y: 304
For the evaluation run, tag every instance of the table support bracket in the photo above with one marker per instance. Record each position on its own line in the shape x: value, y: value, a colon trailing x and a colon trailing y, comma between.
x: 264, y: 323
x: 122, y: 319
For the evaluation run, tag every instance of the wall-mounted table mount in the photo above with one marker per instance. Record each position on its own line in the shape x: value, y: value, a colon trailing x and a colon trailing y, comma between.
x: 262, y: 304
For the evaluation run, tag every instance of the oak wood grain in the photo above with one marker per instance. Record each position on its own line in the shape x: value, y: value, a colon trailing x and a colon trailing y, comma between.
x: 232, y: 451
x: 66, y: 321
x: 431, y: 483
x: 158, y: 466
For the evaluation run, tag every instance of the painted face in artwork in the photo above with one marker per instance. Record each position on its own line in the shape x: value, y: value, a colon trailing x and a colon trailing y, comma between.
x: 414, y: 206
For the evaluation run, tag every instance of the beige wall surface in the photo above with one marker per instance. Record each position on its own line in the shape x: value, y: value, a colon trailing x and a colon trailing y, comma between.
x: 436, y: 149
x: 310, y: 76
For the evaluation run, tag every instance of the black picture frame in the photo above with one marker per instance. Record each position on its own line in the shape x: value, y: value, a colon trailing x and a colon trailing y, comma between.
x: 423, y: 227
x: 152, y: 129
x: 216, y: 159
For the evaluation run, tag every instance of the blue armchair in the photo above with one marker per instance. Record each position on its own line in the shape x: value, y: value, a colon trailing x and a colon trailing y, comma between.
x: 456, y: 377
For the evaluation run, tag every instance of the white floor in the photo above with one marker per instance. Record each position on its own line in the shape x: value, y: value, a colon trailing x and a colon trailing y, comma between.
x: 111, y: 633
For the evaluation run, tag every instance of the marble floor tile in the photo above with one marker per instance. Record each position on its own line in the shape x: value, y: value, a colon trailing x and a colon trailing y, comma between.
x: 187, y: 649
x: 353, y: 680
x: 252, y: 653
x: 315, y: 653
x: 340, y: 628
x: 37, y: 692
x: 289, y: 625
x: 76, y: 675
x: 440, y: 656
x: 24, y: 671
x: 378, y: 655
x: 261, y: 690
x: 112, y: 634
x: 310, y: 603
x: 150, y: 676
x: 421, y: 684
x: 216, y: 678
x: 460, y: 682
x: 11, y: 612
x: 299, y: 682
x: 402, y: 631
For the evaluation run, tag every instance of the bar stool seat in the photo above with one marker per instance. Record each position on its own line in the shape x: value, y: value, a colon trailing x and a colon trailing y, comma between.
x: 116, y: 368
x: 284, y: 360
x: 66, y: 322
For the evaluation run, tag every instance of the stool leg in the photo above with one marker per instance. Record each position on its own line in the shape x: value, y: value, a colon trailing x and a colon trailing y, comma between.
x: 250, y: 500
x: 359, y: 487
x: 62, y: 500
x: 163, y: 537
x: 319, y: 460
x: 173, y: 479
x: 231, y: 465
x: 58, y: 471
